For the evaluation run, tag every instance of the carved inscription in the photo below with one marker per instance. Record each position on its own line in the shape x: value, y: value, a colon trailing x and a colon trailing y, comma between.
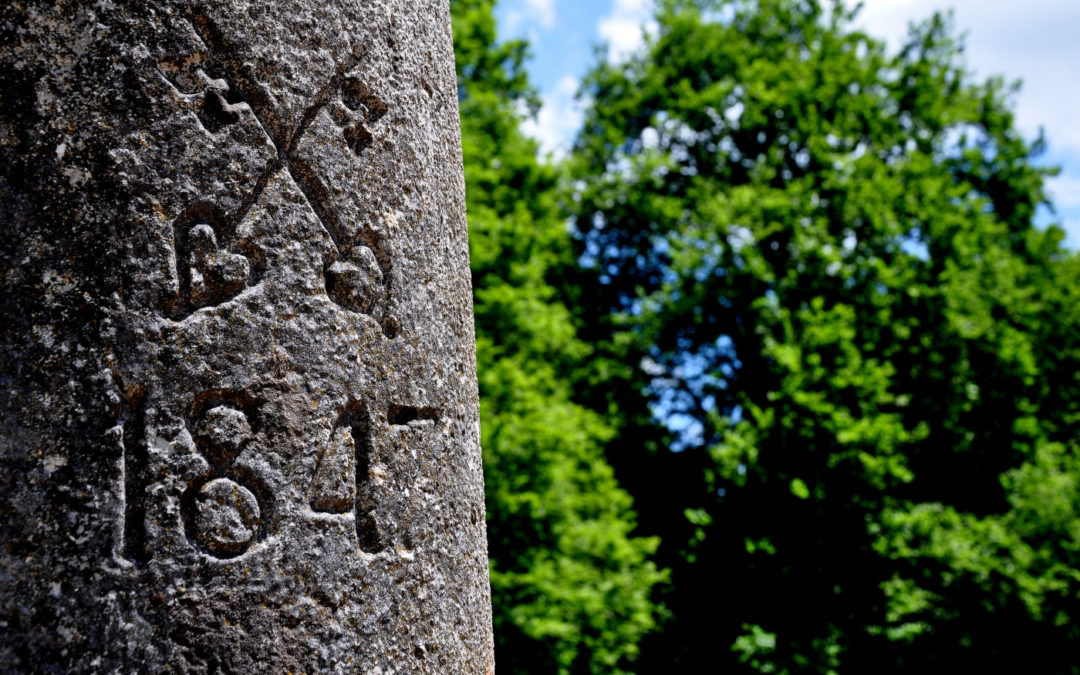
x: 226, y: 517
x: 357, y: 274
x: 357, y: 283
x: 227, y: 508
x: 208, y: 272
x: 359, y: 108
x: 343, y: 476
x: 343, y: 463
x: 348, y: 476
x: 222, y: 512
x: 215, y: 103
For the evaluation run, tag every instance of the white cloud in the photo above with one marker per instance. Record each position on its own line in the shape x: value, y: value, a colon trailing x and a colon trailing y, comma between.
x: 1072, y: 231
x: 1065, y: 194
x: 530, y: 13
x: 543, y: 11
x: 512, y: 21
x: 1065, y: 191
x: 558, y: 119
x: 1034, y: 40
x: 623, y: 28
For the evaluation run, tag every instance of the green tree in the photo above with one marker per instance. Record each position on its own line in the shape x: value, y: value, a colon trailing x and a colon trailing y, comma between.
x: 820, y: 259
x: 571, y: 586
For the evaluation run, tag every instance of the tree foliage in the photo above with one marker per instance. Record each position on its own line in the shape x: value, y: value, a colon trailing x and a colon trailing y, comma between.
x: 816, y: 261
x: 571, y: 586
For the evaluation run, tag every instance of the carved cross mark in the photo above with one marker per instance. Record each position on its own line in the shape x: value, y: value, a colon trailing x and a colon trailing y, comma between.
x: 357, y: 276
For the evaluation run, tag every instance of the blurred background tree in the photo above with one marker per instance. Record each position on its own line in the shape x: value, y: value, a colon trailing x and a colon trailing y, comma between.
x: 803, y: 316
x: 570, y: 586
x: 822, y: 258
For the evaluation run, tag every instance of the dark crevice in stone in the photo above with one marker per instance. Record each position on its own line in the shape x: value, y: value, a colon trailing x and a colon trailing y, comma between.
x: 136, y: 477
x: 403, y: 414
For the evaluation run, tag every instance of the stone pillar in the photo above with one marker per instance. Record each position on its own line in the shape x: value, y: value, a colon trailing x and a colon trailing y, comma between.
x: 239, y: 408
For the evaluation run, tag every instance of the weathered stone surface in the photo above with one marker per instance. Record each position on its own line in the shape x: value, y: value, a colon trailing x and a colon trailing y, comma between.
x: 239, y: 409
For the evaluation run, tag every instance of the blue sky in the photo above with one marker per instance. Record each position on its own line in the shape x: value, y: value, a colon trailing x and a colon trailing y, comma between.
x: 1037, y: 41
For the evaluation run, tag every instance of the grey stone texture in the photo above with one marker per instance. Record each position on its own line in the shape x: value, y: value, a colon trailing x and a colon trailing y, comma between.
x: 239, y: 410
